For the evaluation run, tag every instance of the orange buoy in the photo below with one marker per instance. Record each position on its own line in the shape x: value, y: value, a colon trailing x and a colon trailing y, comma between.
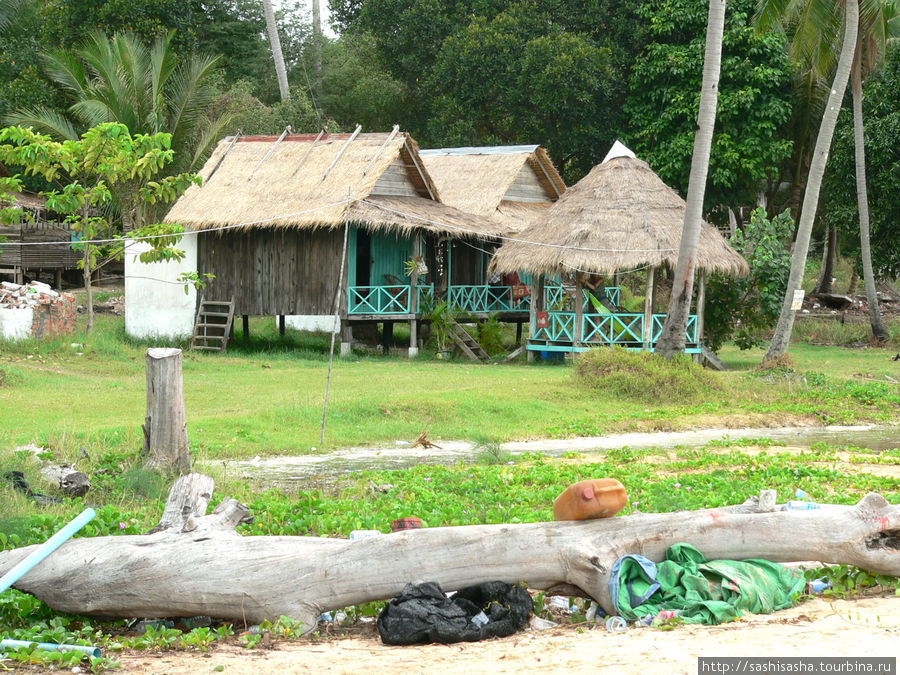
x: 586, y: 499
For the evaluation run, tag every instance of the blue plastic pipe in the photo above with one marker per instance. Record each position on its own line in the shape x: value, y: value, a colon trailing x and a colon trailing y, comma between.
x: 46, y: 549
x: 52, y: 647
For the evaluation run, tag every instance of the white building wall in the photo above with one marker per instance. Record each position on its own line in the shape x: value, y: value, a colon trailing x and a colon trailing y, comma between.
x: 155, y: 303
x: 312, y: 322
x: 16, y: 322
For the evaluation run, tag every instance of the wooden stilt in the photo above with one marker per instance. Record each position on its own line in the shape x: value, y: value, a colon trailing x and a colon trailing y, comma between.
x: 387, y: 336
x: 579, y: 308
x: 281, y: 324
x: 245, y: 322
x: 648, y: 309
x: 701, y: 307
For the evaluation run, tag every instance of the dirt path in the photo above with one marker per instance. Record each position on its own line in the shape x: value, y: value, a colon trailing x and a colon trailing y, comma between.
x: 861, y: 627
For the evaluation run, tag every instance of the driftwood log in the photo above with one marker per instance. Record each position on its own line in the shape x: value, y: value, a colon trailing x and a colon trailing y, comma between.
x: 196, y: 564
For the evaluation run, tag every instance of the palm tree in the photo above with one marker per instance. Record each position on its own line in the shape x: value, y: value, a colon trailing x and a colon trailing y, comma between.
x: 149, y: 90
x: 277, y: 54
x: 878, y: 25
x: 779, y: 12
x: 672, y: 340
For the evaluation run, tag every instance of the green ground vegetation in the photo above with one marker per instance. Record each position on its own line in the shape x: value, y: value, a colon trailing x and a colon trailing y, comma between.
x: 492, y: 490
x: 83, y: 399
x: 265, y: 396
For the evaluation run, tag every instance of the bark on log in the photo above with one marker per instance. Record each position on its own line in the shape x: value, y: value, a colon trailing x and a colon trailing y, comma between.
x: 165, y: 429
x: 197, y: 564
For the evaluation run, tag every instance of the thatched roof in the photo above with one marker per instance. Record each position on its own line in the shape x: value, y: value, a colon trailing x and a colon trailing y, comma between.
x: 619, y: 217
x: 478, y: 180
x: 309, y: 180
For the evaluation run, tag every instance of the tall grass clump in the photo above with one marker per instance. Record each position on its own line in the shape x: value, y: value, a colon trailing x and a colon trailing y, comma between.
x: 644, y: 376
x: 841, y: 334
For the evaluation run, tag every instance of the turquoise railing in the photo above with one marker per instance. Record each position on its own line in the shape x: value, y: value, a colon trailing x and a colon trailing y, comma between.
x: 385, y: 299
x: 487, y: 299
x: 608, y: 329
x: 554, y: 295
x: 690, y: 334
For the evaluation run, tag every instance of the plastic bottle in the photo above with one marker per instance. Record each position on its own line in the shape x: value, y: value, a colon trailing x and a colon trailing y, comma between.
x: 596, y: 498
x: 616, y: 624
x: 800, y: 494
x: 817, y: 586
x: 356, y: 535
x: 794, y: 505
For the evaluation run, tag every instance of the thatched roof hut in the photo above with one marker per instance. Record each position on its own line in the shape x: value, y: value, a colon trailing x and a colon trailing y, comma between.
x: 310, y: 181
x: 510, y: 184
x: 619, y: 217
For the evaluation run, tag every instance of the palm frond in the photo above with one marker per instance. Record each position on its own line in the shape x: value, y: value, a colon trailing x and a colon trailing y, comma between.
x: 66, y: 70
x: 9, y: 11
x: 45, y: 121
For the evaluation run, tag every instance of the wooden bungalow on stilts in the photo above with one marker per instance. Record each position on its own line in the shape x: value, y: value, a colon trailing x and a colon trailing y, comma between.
x: 36, y: 244
x: 620, y: 218
x: 323, y: 226
x: 511, y: 185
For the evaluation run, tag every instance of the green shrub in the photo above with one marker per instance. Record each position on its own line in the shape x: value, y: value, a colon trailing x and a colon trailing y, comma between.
x: 644, y: 376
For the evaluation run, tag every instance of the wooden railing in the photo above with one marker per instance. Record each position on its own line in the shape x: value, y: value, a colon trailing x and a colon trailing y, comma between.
x: 624, y: 329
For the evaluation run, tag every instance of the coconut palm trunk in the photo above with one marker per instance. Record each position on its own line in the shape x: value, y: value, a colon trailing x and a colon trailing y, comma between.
x: 277, y: 54
x: 782, y: 337
x: 862, y: 199
x: 672, y: 340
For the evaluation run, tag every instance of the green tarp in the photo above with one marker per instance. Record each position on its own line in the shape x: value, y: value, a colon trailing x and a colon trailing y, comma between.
x: 708, y: 592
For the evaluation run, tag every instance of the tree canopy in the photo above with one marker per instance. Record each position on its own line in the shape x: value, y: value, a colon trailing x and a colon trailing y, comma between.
x: 749, y: 146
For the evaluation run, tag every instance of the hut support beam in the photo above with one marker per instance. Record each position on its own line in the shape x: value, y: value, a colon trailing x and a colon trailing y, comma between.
x: 414, y: 298
x: 579, y: 308
x: 648, y: 308
x: 387, y: 336
x: 245, y: 324
x: 701, y: 307
x: 537, y: 304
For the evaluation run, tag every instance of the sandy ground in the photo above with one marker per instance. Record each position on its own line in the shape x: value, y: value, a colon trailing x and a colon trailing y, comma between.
x: 851, y: 628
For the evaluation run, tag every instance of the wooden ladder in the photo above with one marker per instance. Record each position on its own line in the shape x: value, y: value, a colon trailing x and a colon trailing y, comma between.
x: 467, y: 343
x: 213, y: 326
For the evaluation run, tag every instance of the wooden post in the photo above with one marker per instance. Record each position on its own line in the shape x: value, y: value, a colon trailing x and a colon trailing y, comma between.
x: 648, y: 309
x: 579, y: 308
x: 387, y: 336
x: 518, y: 333
x: 414, y: 298
x: 281, y: 324
x: 701, y: 305
x: 537, y: 304
x: 165, y: 429
x: 245, y: 322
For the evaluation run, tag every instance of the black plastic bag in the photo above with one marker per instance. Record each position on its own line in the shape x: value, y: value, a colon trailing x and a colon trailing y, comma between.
x: 422, y: 614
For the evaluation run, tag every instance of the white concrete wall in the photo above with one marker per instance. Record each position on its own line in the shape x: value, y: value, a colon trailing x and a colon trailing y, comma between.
x: 312, y: 322
x: 155, y: 303
x: 16, y: 322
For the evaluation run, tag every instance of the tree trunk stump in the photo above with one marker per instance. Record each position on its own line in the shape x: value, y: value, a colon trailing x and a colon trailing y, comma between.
x: 165, y: 429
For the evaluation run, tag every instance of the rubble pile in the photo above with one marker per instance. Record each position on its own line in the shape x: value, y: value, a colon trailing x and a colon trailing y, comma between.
x: 32, y: 294
x: 35, y: 310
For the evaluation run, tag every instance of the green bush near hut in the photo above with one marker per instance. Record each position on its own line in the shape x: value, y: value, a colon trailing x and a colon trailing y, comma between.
x: 644, y: 376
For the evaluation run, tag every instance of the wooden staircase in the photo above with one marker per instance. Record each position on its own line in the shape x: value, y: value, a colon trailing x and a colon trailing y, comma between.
x: 213, y: 326
x: 467, y: 343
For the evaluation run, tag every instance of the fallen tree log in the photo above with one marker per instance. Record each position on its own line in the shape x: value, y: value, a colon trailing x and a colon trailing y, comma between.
x: 195, y: 564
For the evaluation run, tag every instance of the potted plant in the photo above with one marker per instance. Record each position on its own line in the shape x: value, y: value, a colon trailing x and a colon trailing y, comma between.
x: 441, y: 315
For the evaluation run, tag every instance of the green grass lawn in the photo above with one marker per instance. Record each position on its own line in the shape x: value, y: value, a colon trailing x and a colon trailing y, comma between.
x: 267, y: 397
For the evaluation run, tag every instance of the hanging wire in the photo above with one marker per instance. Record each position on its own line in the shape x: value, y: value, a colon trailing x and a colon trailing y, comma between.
x: 428, y: 221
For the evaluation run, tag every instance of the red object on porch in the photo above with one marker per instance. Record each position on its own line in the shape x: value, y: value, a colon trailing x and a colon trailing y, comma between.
x: 543, y: 319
